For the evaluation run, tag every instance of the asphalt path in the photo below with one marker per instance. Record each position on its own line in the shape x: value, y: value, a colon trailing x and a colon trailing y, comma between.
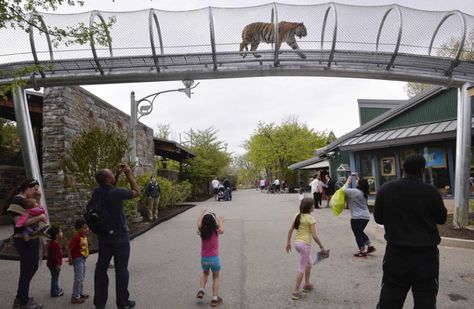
x: 256, y: 272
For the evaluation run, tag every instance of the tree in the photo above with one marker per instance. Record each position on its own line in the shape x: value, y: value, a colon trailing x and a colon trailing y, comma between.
x: 92, y: 150
x: 24, y: 16
x: 163, y: 132
x: 448, y: 50
x: 211, y: 159
x: 245, y: 170
x: 272, y: 148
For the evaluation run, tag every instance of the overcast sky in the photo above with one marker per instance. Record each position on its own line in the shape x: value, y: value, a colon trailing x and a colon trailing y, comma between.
x: 235, y: 106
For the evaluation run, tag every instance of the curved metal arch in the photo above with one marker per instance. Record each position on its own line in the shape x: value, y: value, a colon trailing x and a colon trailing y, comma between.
x: 399, y: 37
x: 94, y: 52
x: 153, y: 17
x: 455, y: 61
x: 213, y: 38
x: 276, y: 62
x: 32, y: 40
x: 272, y: 21
x: 334, y: 34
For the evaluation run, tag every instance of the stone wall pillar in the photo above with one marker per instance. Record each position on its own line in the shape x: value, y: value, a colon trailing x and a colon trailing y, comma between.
x: 67, y: 111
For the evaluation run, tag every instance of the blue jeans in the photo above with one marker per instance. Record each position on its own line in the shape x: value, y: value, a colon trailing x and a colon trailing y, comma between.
x: 358, y: 226
x: 117, y: 247
x: 29, y: 255
x: 55, y: 290
x: 79, y: 274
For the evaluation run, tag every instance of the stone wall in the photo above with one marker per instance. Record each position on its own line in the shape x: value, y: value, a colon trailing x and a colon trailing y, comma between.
x: 66, y: 112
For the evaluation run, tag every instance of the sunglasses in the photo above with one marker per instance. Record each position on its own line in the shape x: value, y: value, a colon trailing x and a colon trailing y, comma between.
x: 33, y: 183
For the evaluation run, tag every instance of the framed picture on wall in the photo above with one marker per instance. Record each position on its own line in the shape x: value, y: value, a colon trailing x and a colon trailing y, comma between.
x: 387, y: 166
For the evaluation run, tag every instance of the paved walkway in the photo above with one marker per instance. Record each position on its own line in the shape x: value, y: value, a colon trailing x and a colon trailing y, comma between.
x: 257, y: 273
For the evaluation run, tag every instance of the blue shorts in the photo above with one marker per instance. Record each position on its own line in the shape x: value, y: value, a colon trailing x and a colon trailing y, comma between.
x: 210, y: 262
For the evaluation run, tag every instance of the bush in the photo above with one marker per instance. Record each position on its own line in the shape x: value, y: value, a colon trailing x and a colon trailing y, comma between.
x: 171, y: 194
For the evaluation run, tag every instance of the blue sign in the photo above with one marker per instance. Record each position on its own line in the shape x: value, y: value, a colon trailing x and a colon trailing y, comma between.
x: 436, y: 157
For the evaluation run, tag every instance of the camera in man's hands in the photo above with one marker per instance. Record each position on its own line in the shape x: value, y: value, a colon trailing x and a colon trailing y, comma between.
x: 122, y: 165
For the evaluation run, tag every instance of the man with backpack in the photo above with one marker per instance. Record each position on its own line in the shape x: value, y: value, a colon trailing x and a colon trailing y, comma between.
x: 113, y: 236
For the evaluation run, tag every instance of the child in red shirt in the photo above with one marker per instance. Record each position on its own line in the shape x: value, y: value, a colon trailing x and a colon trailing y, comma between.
x: 55, y: 259
x: 78, y: 251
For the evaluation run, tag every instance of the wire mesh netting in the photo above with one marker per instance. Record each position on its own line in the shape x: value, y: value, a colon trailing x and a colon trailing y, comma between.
x: 336, y: 35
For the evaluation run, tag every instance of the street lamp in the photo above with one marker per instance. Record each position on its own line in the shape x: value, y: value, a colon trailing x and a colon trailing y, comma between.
x: 147, y: 108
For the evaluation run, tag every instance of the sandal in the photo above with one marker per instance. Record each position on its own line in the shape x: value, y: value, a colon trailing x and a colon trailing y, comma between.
x: 216, y: 302
x: 308, y: 287
x: 297, y: 295
x: 371, y: 249
x: 360, y: 254
x: 200, y: 294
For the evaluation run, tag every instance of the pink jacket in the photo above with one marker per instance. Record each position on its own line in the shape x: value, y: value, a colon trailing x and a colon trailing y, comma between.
x: 32, y: 212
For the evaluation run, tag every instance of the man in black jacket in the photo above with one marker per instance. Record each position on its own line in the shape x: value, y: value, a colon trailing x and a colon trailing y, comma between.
x: 409, y: 209
x: 153, y: 193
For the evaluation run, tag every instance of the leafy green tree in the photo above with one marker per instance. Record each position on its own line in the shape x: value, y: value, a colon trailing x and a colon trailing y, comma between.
x: 24, y: 16
x: 94, y: 149
x: 245, y: 170
x: 8, y: 133
x: 273, y: 147
x: 211, y: 159
x: 447, y: 50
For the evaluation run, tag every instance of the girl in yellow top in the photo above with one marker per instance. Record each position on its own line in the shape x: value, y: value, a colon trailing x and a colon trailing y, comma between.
x: 305, y: 227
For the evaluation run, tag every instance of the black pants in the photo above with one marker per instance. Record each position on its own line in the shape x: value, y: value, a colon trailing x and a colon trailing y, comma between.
x: 358, y: 226
x: 119, y: 248
x: 317, y: 199
x: 409, y: 267
x: 29, y: 255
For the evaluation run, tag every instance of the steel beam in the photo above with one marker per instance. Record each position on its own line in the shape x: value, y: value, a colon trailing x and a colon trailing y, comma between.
x: 334, y: 33
x: 276, y: 63
x: 213, y: 39
x: 455, y: 60
x: 399, y: 37
x: 107, y: 33
x: 152, y: 18
x: 463, y: 158
x: 27, y: 141
x: 44, y: 29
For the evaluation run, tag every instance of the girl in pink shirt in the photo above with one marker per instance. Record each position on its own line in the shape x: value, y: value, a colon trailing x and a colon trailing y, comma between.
x: 209, y: 228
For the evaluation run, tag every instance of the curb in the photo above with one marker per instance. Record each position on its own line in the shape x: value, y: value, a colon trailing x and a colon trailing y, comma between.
x: 457, y: 243
x: 132, y: 236
x: 445, y: 241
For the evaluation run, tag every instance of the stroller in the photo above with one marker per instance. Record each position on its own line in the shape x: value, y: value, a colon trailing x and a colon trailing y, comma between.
x: 220, y: 193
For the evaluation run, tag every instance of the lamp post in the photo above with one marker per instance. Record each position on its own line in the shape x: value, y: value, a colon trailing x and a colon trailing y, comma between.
x: 147, y: 108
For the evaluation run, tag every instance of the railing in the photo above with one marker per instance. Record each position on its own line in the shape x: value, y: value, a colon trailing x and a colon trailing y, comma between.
x: 391, y: 42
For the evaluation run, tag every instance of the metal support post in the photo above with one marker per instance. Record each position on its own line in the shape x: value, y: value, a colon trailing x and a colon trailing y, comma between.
x: 463, y: 158
x: 27, y: 141
x: 133, y: 127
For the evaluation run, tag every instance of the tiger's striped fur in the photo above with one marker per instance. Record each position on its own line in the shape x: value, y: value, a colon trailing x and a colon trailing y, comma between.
x: 258, y: 32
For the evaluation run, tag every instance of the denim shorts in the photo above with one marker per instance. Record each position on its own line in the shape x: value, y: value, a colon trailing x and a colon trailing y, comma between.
x: 210, y: 262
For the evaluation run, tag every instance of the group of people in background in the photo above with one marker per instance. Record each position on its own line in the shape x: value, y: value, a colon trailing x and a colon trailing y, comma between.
x: 322, y: 188
x: 276, y: 186
x: 222, y: 191
x: 28, y: 240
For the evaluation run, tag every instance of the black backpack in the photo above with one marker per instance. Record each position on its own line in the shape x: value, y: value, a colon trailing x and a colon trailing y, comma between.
x: 97, y: 215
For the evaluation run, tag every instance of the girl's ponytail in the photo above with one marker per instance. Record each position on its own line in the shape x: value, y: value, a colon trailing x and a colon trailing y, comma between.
x: 296, y: 224
x: 305, y: 208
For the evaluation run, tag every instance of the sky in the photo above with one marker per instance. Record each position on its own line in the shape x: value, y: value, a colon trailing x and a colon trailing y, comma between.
x: 234, y: 107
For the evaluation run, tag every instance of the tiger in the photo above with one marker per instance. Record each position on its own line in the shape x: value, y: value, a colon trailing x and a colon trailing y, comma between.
x: 257, y: 32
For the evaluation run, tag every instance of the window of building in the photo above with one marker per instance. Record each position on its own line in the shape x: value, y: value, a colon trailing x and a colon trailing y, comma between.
x: 436, y: 171
x: 367, y: 170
